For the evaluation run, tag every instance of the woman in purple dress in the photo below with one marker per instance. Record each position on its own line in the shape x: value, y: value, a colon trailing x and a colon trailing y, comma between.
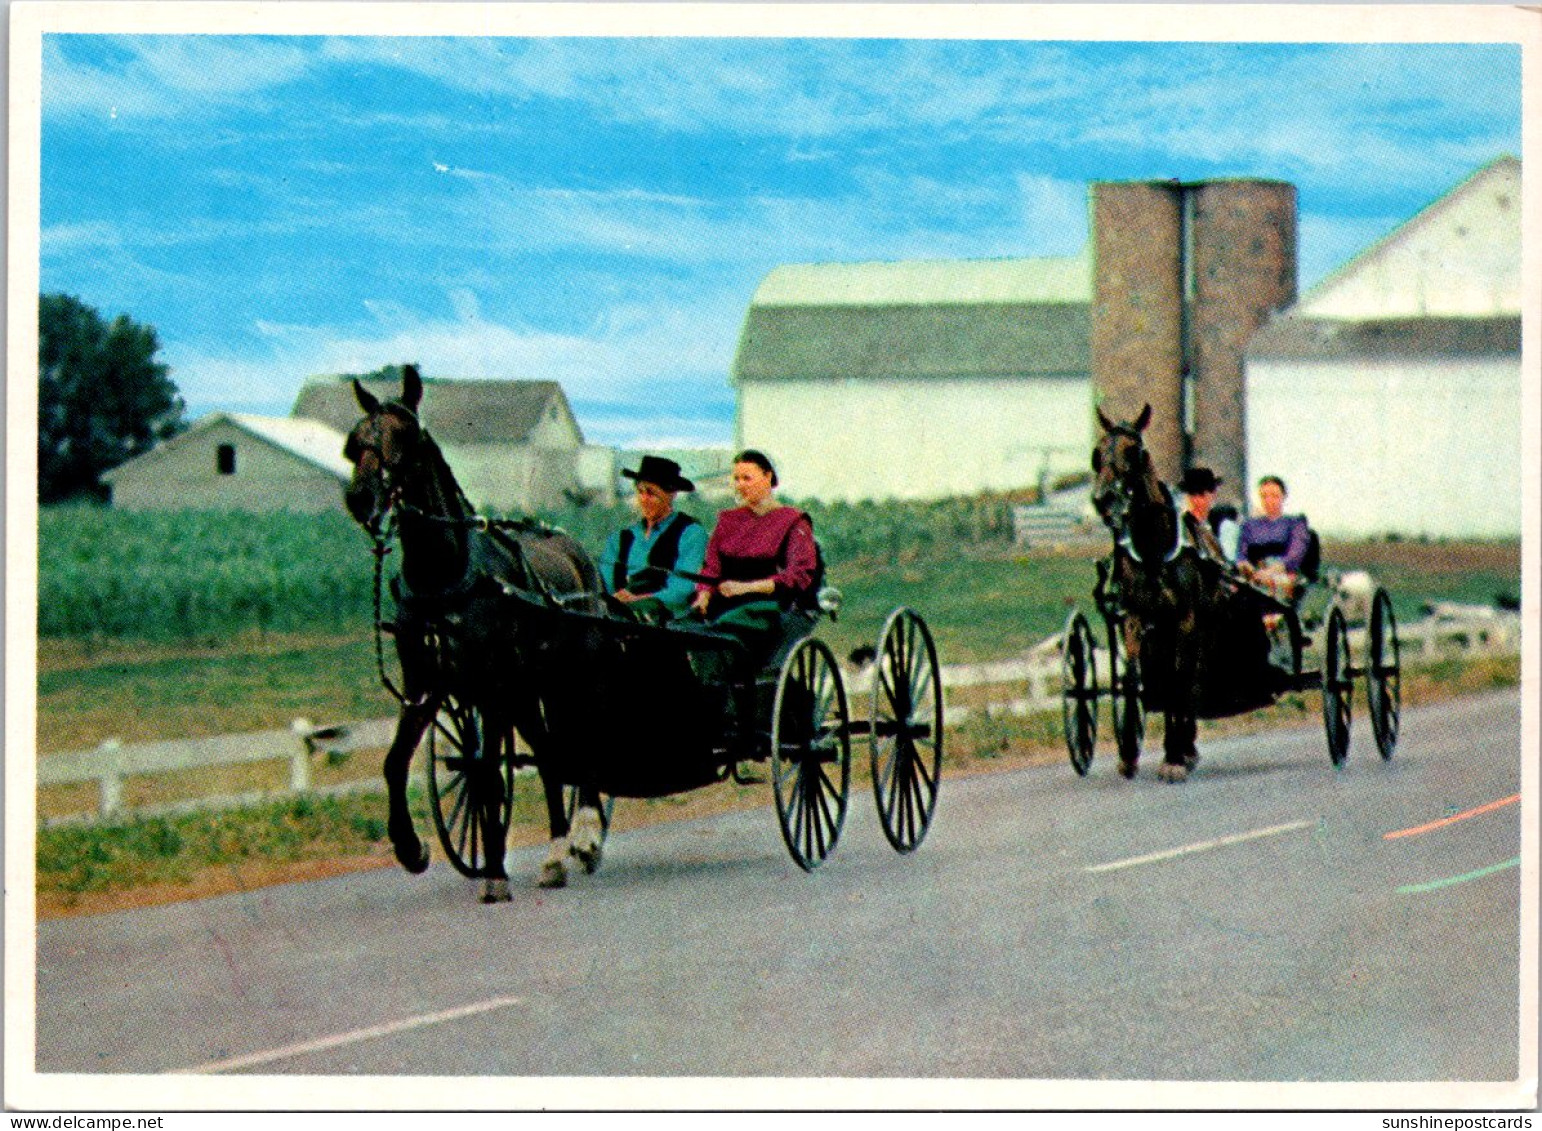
x: 1273, y: 546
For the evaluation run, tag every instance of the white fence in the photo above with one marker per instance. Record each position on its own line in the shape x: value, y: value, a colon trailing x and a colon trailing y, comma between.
x: 1027, y: 683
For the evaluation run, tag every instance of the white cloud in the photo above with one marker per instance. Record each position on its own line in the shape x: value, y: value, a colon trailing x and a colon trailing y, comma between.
x: 615, y: 360
x: 164, y: 76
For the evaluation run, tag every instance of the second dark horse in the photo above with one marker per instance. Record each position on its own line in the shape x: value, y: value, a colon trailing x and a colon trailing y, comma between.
x: 459, y: 636
x: 1189, y: 629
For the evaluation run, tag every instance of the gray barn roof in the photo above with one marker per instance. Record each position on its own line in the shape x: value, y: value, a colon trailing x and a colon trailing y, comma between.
x: 1300, y: 338
x: 927, y: 319
x: 455, y: 411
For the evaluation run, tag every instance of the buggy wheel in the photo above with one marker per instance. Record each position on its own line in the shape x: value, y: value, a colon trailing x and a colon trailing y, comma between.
x: 1384, y: 675
x: 810, y: 752
x: 460, y: 778
x: 1079, y: 691
x: 1287, y: 643
x: 1338, y: 686
x: 1124, y: 694
x: 906, y: 734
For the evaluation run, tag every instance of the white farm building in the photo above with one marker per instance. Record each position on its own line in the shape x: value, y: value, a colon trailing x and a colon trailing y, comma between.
x: 1389, y: 397
x: 918, y: 379
x: 514, y: 447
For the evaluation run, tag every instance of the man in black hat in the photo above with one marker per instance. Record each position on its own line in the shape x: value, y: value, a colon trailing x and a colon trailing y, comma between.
x: 637, y: 563
x: 1199, y: 486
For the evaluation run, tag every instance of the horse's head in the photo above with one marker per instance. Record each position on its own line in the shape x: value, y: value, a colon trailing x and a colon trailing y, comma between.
x: 1120, y: 463
x: 381, y: 447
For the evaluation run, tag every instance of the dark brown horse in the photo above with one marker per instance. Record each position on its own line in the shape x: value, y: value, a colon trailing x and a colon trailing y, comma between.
x: 458, y: 634
x: 1157, y: 581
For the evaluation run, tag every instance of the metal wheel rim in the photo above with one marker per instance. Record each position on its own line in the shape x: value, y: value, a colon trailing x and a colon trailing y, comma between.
x: 1078, y: 704
x: 1384, y: 675
x: 453, y: 781
x: 1337, y: 688
x: 907, y: 761
x: 809, y: 807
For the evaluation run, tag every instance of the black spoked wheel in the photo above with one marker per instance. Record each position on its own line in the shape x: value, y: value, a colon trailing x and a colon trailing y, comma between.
x: 906, y: 734
x: 1338, y: 686
x: 1287, y: 643
x: 1384, y: 674
x: 1124, y: 694
x: 1078, y: 691
x: 461, y: 779
x: 810, y: 752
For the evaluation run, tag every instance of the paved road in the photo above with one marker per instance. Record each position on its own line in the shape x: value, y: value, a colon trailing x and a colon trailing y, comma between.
x: 1291, y: 940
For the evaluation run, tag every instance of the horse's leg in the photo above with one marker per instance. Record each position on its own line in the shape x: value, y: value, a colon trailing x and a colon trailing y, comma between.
x: 554, y: 871
x: 587, y: 841
x: 415, y: 718
x: 495, y: 731
x: 1131, y: 630
x: 1180, y: 752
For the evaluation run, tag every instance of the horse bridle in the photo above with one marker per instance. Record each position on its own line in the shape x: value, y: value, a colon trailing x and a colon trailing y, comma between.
x: 1115, y: 505
x: 354, y: 448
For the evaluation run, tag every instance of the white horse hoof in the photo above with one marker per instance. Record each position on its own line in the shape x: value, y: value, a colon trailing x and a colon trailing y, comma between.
x: 587, y: 841
x: 553, y: 875
x: 496, y: 891
x: 1171, y: 773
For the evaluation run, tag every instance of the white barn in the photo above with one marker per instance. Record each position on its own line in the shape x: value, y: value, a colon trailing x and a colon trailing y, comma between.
x: 918, y: 379
x: 1389, y: 397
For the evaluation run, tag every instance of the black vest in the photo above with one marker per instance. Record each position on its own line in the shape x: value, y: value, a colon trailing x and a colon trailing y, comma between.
x: 662, y: 555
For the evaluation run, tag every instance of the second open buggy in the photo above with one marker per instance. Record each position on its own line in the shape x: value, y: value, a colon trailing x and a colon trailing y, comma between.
x: 1090, y: 673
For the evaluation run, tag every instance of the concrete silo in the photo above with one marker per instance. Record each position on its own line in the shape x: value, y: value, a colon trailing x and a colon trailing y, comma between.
x: 1185, y: 274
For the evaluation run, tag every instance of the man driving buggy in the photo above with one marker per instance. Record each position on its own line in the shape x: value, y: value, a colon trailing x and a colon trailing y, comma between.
x: 642, y: 563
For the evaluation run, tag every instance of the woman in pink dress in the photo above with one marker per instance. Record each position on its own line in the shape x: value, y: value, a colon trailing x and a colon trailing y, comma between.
x: 762, y: 556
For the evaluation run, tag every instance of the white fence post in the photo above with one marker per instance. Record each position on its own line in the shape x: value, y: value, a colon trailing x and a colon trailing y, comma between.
x: 110, y: 784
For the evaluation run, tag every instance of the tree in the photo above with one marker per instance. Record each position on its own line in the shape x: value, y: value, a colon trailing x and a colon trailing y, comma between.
x: 102, y: 396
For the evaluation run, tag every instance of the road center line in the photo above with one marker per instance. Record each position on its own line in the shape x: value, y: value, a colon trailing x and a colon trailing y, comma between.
x: 1201, y: 846
x: 251, y: 1060
x: 1477, y: 874
x: 1462, y: 816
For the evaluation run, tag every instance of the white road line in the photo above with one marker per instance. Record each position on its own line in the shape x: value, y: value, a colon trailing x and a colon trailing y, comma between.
x: 251, y: 1060
x: 1218, y: 842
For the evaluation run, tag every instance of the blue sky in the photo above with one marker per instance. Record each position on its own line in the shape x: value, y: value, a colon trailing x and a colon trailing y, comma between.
x: 600, y: 211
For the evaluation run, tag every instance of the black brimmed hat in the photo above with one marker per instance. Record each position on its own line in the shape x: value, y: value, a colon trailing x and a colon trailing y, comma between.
x: 660, y: 472
x: 1199, y: 481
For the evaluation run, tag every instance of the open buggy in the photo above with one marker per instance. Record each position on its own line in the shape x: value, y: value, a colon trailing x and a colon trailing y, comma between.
x: 1209, y: 642
x: 666, y: 709
x: 1090, y: 673
x: 505, y: 627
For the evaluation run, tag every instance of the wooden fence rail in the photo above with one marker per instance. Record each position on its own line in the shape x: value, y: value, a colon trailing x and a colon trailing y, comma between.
x: 1028, y: 683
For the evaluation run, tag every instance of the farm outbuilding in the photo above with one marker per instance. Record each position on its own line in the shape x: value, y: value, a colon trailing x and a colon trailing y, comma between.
x: 1389, y: 397
x: 238, y: 462
x: 513, y: 445
x: 917, y: 379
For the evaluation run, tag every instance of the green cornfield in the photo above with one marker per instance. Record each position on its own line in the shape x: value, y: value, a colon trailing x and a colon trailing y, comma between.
x: 105, y: 574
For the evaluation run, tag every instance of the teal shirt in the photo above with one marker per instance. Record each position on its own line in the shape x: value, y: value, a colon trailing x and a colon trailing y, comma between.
x: 677, y: 592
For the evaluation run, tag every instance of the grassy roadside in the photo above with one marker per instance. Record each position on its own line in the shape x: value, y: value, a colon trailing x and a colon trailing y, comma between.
x: 96, y: 869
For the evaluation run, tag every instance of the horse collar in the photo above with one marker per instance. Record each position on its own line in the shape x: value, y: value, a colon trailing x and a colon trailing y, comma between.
x: 1180, y: 540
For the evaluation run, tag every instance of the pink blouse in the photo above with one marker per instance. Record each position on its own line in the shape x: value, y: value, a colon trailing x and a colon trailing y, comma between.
x: 746, y: 546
